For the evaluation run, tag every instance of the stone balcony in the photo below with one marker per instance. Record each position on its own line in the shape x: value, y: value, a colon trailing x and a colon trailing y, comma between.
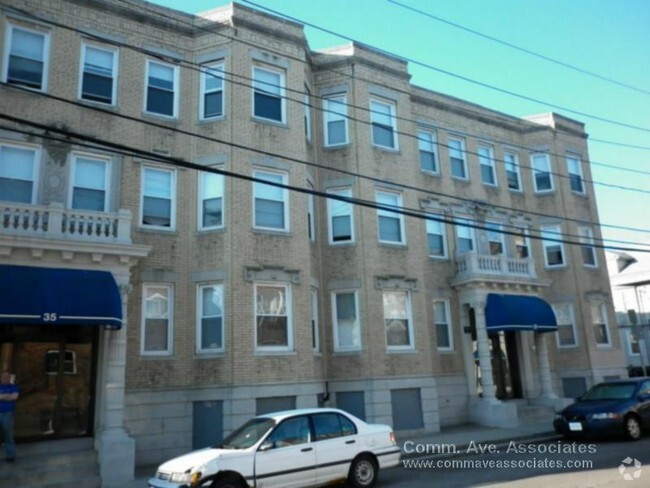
x: 487, y: 268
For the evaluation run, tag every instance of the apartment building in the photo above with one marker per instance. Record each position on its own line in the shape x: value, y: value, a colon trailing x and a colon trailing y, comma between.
x: 154, y: 307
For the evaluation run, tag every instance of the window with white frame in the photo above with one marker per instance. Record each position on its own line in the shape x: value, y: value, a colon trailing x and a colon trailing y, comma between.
x: 496, y: 238
x: 553, y: 247
x: 158, y: 197
x: 566, y: 329
x: 397, y: 319
x: 390, y: 224
x: 212, y: 95
x: 335, y: 119
x: 347, y: 329
x: 98, y: 74
x: 522, y: 243
x: 428, y: 152
x: 384, y: 126
x: 26, y: 58
x: 486, y: 164
x: 464, y: 236
x: 307, y: 114
x: 457, y: 159
x: 315, y: 334
x: 442, y: 322
x: 513, y: 175
x: 273, y: 316
x: 210, y: 200
x: 18, y: 173
x: 587, y: 249
x: 633, y: 345
x: 599, y: 322
x: 268, y: 94
x: 271, y: 203
x: 210, y: 331
x: 161, y: 89
x: 311, y: 224
x: 90, y: 183
x: 542, y: 179
x: 574, y: 168
x: 341, y: 217
x: 436, y: 238
x: 157, y: 320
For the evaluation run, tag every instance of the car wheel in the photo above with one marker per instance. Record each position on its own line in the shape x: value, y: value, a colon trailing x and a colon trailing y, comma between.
x: 228, y: 481
x: 632, y: 428
x: 363, y: 472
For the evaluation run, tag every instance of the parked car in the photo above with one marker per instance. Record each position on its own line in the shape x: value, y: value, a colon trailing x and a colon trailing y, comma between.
x: 294, y: 448
x: 609, y: 408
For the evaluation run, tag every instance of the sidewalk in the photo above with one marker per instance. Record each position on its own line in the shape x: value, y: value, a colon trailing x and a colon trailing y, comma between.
x: 459, y: 436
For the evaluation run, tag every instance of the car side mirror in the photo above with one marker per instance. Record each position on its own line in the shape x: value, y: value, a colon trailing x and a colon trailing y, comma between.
x: 266, y: 445
x: 644, y: 397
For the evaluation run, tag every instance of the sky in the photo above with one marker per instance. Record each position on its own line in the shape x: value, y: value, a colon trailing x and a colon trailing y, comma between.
x: 606, y: 37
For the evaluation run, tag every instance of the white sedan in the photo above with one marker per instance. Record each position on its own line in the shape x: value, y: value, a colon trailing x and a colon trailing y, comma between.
x: 295, y: 448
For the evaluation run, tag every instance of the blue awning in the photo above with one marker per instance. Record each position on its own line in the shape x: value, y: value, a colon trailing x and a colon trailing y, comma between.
x: 518, y: 312
x: 52, y: 296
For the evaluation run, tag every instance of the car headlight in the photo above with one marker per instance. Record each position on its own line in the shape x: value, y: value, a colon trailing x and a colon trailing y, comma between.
x: 605, y: 416
x: 186, y: 477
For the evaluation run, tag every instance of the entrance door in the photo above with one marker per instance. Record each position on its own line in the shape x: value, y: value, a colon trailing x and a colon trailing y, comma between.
x: 55, y: 370
x: 505, y: 365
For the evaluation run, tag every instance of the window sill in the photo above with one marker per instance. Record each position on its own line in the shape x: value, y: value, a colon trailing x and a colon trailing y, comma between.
x: 579, y: 194
x: 278, y: 233
x: 433, y: 174
x: 168, y: 119
x: 106, y: 106
x: 516, y: 191
x: 393, y: 245
x: 210, y: 355
x: 274, y: 123
x: 446, y: 352
x: 569, y: 348
x: 401, y: 351
x: 211, y: 230
x: 458, y: 179
x: 151, y: 356
x: 604, y: 346
x: 355, y: 352
x: 337, y: 146
x: 220, y: 118
x: 392, y: 150
x: 343, y: 244
x: 545, y: 193
x: 558, y: 267
x: 265, y: 353
x: 438, y: 258
x: 157, y: 230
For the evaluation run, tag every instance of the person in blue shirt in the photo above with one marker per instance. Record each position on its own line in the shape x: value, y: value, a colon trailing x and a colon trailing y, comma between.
x: 8, y: 396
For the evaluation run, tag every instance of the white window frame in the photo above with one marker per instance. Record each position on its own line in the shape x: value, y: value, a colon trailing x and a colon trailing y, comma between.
x: 553, y: 232
x: 603, y: 315
x: 574, y: 330
x: 450, y: 329
x: 463, y: 154
x: 548, y: 170
x: 307, y: 113
x: 107, y: 176
x: 586, y: 237
x: 36, y: 150
x: 114, y: 74
x: 629, y: 333
x: 357, y: 322
x: 170, y: 320
x: 392, y: 108
x: 199, y: 319
x: 487, y: 161
x: 574, y: 159
x: 409, y: 322
x: 344, y: 192
x: 443, y: 234
x: 315, y: 326
x: 201, y: 197
x: 257, y: 172
x: 470, y: 231
x: 282, y: 96
x: 172, y: 217
x: 387, y: 214
x: 428, y: 137
x: 328, y: 113
x: 511, y: 158
x: 206, y: 69
x: 525, y: 234
x: 493, y: 228
x: 289, y: 316
x: 10, y: 27
x: 175, y: 89
x: 311, y: 214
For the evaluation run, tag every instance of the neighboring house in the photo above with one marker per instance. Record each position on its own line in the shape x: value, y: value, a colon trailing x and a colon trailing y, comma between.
x: 210, y: 298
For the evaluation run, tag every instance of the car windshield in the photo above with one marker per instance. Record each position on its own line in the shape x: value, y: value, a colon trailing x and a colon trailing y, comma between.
x: 610, y: 391
x: 248, y: 434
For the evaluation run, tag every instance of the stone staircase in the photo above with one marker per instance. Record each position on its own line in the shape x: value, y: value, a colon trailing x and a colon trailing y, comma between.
x: 52, y: 464
x: 535, y: 414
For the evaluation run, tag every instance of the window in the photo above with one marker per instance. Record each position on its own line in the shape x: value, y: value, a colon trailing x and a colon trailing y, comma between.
x: 98, y: 74
x: 633, y: 345
x: 599, y: 321
x: 335, y: 120
x: 18, y: 174
x: 486, y: 164
x: 271, y: 202
x: 307, y: 114
x: 465, y: 236
x: 210, y: 318
x: 311, y: 225
x: 341, y: 217
x: 397, y: 320
x: 158, y: 198
x: 90, y: 183
x: 391, y: 224
x: 574, y: 167
x: 52, y: 363
x: 315, y: 339
x: 522, y: 243
x: 26, y: 58
x: 566, y: 329
x: 457, y: 158
x: 331, y: 426
x: 587, y: 248
x: 211, y: 104
x: 553, y: 250
x: 428, y: 153
x: 347, y: 330
x: 268, y: 95
x: 496, y: 238
x: 511, y: 161
x: 162, y: 85
x: 542, y: 180
x: 291, y: 432
x: 272, y: 317
x: 382, y: 116
x: 210, y: 200
x: 157, y: 320
x: 436, y: 239
x: 441, y: 319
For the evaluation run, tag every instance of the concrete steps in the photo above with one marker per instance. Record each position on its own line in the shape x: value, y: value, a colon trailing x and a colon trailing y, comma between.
x: 53, y: 464
x: 531, y: 414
